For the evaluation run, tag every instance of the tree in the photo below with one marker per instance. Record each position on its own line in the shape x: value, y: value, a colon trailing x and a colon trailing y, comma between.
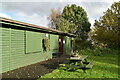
x: 77, y: 23
x: 73, y: 20
x: 54, y: 18
x: 77, y: 19
x: 107, y: 29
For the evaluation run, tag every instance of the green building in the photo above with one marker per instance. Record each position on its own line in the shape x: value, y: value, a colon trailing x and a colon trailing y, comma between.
x: 23, y: 44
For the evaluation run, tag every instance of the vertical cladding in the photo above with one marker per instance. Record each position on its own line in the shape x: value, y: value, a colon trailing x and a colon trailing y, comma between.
x: 21, y: 48
x: 54, y: 43
x: 5, y: 48
x: 34, y: 41
x: 67, y: 45
x: 17, y: 48
x: 0, y: 50
x: 14, y: 44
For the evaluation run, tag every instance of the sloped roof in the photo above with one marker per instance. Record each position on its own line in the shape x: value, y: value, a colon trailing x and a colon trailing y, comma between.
x: 27, y: 25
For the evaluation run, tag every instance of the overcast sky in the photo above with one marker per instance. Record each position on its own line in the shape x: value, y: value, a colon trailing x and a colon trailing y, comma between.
x: 37, y: 11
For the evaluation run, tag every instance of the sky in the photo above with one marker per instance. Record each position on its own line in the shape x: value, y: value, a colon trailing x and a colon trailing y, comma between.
x: 37, y: 11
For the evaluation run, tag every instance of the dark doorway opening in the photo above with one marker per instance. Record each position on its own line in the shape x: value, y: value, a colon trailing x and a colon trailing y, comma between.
x: 61, y: 44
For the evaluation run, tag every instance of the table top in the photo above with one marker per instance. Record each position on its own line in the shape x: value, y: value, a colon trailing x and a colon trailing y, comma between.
x: 74, y: 57
x: 82, y: 57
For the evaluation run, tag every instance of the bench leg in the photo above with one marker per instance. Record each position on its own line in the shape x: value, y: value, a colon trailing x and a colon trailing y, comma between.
x: 82, y: 64
x: 85, y: 60
x: 84, y: 70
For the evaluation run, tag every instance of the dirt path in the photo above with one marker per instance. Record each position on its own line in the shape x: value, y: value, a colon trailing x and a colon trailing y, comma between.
x: 35, y: 70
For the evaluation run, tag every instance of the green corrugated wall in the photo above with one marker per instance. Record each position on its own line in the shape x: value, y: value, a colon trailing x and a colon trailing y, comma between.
x: 67, y: 45
x: 5, y: 49
x: 17, y: 45
x: 34, y: 39
x: 0, y: 50
x: 21, y: 48
x: 54, y: 43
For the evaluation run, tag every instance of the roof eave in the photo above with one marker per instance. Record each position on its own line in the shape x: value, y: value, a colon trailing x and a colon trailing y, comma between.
x: 35, y: 26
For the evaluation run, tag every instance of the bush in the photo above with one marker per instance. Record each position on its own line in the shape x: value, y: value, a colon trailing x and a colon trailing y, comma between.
x: 97, y: 51
x: 82, y: 44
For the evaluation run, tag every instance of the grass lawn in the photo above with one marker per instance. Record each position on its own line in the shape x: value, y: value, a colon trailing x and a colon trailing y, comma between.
x: 106, y: 66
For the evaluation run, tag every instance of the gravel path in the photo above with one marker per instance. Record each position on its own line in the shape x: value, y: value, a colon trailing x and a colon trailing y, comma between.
x: 35, y: 70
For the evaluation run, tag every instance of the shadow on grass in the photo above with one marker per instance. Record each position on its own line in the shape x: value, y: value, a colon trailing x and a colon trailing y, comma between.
x: 106, y: 68
x: 106, y: 59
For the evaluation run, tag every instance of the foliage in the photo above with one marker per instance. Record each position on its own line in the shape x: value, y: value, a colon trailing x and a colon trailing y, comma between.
x: 54, y: 18
x: 81, y: 44
x: 105, y: 67
x: 46, y: 44
x: 107, y: 29
x: 77, y: 19
x: 73, y: 20
x: 76, y: 22
x: 98, y: 51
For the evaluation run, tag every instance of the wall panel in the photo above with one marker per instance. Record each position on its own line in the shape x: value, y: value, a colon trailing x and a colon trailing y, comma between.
x: 21, y: 48
x: 5, y: 48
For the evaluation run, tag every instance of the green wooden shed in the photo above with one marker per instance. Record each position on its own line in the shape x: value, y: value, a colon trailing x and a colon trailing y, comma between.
x: 21, y: 44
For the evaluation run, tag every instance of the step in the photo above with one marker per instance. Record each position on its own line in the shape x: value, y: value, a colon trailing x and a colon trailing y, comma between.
x: 90, y: 65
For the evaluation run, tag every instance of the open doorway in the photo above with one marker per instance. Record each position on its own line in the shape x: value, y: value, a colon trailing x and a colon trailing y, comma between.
x: 61, y: 44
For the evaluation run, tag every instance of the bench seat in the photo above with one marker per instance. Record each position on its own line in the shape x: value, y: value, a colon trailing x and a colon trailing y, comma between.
x: 90, y: 65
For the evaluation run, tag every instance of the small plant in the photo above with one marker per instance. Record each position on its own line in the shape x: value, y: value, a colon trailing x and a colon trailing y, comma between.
x: 46, y: 44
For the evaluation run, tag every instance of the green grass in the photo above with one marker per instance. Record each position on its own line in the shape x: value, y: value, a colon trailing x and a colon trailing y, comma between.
x: 106, y: 66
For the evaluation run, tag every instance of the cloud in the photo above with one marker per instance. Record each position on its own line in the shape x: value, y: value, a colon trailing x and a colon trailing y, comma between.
x: 96, y: 9
x: 33, y: 19
x: 5, y: 15
x: 27, y: 7
x: 60, y: 1
x: 30, y: 12
x: 37, y: 12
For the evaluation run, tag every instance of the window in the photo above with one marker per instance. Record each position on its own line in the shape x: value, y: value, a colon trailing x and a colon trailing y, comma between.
x: 34, y: 42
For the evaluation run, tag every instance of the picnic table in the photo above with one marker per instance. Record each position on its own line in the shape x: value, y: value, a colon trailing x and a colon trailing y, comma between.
x: 81, y: 59
x: 78, y: 62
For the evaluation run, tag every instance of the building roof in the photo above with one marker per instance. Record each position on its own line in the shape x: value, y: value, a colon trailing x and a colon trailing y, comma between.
x: 33, y: 27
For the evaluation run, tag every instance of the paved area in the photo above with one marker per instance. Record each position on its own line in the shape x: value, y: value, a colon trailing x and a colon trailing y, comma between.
x: 35, y: 70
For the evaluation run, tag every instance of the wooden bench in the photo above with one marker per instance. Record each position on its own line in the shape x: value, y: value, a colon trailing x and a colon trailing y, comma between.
x: 90, y: 65
x: 78, y: 63
x: 69, y: 66
x: 82, y: 57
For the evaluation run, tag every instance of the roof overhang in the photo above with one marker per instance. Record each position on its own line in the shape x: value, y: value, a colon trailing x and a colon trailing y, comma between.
x: 33, y: 27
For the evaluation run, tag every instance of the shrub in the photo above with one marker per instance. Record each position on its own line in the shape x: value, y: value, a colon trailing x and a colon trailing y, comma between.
x: 46, y: 44
x: 97, y: 51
